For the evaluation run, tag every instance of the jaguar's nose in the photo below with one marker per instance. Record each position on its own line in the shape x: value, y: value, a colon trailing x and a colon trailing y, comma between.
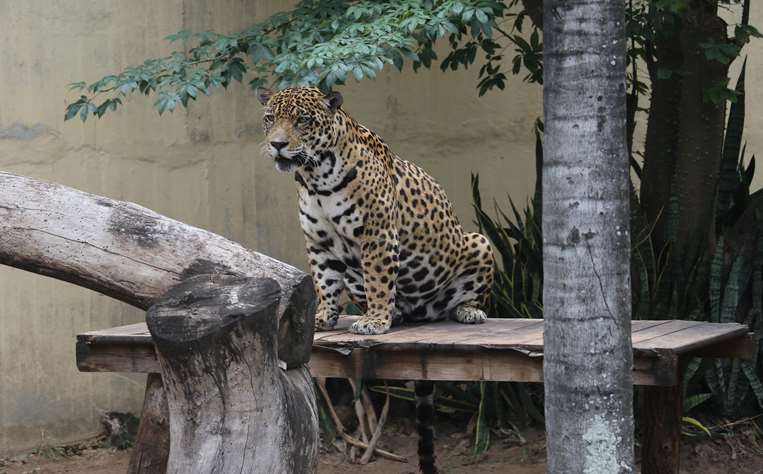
x: 278, y: 145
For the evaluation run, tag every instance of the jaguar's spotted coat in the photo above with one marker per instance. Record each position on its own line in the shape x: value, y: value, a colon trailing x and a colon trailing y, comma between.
x: 375, y: 224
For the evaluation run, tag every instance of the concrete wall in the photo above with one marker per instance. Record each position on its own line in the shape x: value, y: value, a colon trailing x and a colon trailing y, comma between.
x: 202, y: 166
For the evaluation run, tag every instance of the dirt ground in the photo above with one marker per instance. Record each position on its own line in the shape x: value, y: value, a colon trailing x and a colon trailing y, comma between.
x: 737, y: 452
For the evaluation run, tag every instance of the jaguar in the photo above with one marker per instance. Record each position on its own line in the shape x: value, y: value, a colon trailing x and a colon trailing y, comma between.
x: 376, y: 226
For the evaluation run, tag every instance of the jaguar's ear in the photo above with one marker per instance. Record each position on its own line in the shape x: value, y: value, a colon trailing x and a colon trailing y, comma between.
x: 263, y: 95
x: 333, y: 100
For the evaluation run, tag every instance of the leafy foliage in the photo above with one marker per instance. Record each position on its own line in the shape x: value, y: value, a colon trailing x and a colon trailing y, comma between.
x: 726, y: 286
x: 517, y: 292
x: 319, y: 42
x: 327, y: 42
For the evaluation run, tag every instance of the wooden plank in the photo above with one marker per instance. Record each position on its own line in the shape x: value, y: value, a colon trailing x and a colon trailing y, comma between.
x: 639, y: 325
x: 136, y: 333
x: 493, y: 365
x: 488, y: 365
x: 414, y: 365
x: 660, y: 330
x: 660, y: 422
x: 446, y: 349
x: 137, y: 328
x: 501, y: 335
x: 140, y: 358
x: 702, y: 334
x: 496, y: 333
x: 441, y: 336
x: 738, y: 347
x: 535, y: 341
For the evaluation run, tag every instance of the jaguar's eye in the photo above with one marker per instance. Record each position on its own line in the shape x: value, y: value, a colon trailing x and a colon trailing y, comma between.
x: 268, y: 118
x: 304, y: 120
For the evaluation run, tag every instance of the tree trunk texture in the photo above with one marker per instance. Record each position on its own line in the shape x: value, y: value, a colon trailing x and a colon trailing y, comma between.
x: 149, y: 456
x: 684, y: 139
x: 232, y: 408
x: 226, y: 318
x: 134, y: 254
x: 662, y: 132
x: 700, y: 139
x: 586, y: 252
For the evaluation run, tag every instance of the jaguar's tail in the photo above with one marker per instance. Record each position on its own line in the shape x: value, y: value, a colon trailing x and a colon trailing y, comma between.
x: 425, y: 425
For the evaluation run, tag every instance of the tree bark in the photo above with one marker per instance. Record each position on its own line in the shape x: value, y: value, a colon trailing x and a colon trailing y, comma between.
x: 700, y: 140
x: 586, y: 252
x: 662, y: 129
x: 134, y: 254
x: 149, y: 456
x: 232, y: 408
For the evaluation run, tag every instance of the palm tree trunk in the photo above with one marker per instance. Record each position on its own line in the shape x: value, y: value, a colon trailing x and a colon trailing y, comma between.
x: 586, y: 250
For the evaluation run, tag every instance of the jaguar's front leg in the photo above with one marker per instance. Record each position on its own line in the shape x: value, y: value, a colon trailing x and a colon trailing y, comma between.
x: 328, y: 280
x: 379, y: 260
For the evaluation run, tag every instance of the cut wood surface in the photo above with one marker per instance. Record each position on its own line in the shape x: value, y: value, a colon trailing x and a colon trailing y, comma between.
x: 500, y: 350
x: 134, y: 254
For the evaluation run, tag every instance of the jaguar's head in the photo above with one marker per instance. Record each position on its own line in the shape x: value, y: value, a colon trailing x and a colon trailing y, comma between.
x: 299, y: 124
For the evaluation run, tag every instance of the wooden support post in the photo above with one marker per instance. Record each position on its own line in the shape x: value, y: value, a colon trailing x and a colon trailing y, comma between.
x: 660, y: 417
x: 233, y: 407
x: 153, y: 442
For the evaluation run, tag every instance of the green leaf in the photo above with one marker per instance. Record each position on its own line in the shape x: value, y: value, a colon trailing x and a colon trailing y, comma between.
x: 755, y: 385
x: 481, y: 429
x: 696, y: 400
x: 71, y: 110
x: 77, y: 85
x: 481, y: 17
x: 696, y: 423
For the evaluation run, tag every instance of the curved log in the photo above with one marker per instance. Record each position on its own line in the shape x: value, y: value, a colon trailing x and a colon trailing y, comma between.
x: 232, y: 408
x: 134, y: 254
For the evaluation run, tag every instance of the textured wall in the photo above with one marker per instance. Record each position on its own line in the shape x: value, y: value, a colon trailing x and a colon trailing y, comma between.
x: 202, y: 166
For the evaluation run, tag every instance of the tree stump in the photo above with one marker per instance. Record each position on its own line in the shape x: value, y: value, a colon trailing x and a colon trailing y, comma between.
x: 233, y: 407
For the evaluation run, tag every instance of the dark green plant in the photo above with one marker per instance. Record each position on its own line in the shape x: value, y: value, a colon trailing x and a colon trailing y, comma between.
x: 323, y: 43
x: 724, y: 286
x: 517, y: 292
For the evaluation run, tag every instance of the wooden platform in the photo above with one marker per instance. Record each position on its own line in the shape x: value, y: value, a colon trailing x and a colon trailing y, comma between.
x: 499, y: 350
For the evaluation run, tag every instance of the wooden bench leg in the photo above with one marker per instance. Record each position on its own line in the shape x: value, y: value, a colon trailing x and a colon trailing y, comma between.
x: 152, y: 446
x: 661, y: 412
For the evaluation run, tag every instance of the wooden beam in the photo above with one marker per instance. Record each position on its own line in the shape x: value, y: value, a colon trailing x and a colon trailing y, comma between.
x: 488, y: 365
x: 660, y: 425
x: 111, y: 357
x: 740, y: 347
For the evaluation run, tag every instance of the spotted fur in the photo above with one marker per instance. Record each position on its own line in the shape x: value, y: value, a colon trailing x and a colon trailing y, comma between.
x: 375, y: 225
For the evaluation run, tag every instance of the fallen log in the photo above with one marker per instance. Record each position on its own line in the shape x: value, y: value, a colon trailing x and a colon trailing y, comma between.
x: 227, y: 322
x: 135, y: 255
